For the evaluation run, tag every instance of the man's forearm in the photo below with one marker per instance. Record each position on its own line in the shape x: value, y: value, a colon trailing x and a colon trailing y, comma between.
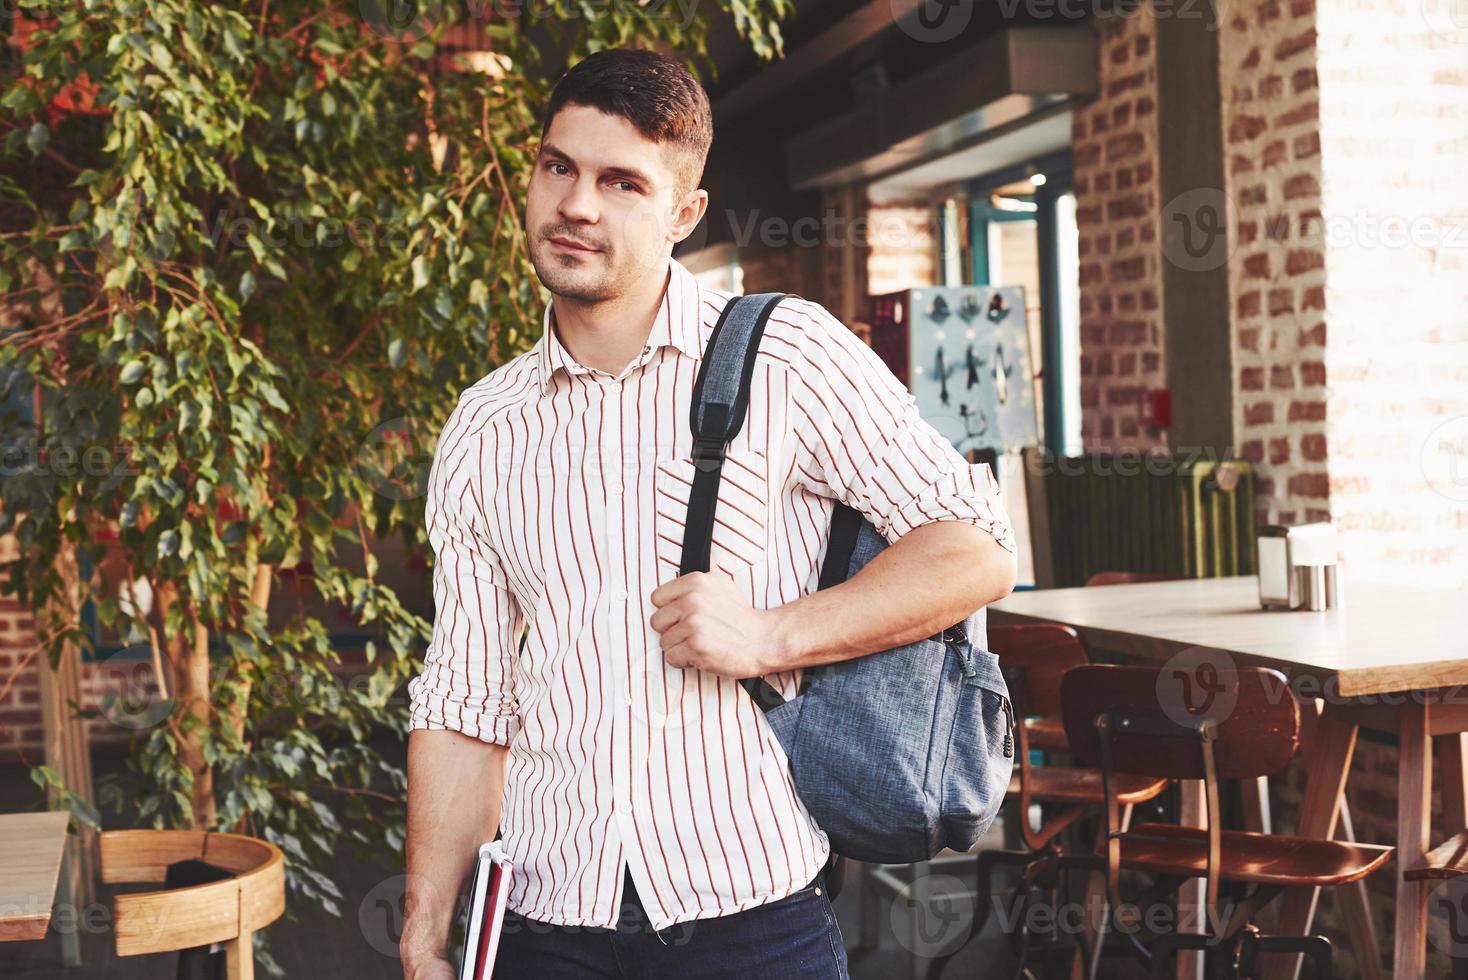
x: 455, y: 788
x: 932, y: 577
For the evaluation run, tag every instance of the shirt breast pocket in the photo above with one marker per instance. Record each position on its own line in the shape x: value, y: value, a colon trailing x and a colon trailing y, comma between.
x: 740, y: 519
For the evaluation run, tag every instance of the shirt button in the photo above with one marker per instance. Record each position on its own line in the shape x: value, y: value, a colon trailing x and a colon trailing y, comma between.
x: 625, y: 806
x: 620, y: 595
x: 626, y: 700
x: 614, y: 487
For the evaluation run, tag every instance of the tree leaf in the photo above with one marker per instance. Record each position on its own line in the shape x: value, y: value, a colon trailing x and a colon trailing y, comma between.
x: 37, y: 138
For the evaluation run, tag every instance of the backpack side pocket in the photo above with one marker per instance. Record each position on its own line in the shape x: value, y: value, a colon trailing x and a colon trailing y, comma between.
x: 980, y: 756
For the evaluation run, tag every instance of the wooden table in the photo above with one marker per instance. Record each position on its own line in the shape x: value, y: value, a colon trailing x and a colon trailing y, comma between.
x: 1388, y: 658
x: 30, y: 862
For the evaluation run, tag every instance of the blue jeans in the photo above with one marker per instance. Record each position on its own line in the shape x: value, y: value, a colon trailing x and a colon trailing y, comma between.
x: 792, y: 938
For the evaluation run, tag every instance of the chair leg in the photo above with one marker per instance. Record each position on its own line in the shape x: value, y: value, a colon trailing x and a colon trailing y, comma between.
x: 1022, y: 955
x: 239, y: 956
x: 984, y: 898
x: 1168, y: 946
x: 869, y: 910
x: 983, y: 901
x: 1317, y: 950
x: 1087, y: 946
x: 1091, y: 958
x: 920, y: 894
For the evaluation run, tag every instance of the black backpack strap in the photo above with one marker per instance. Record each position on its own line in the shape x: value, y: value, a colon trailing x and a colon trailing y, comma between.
x: 845, y: 525
x: 720, y: 403
x: 846, y: 522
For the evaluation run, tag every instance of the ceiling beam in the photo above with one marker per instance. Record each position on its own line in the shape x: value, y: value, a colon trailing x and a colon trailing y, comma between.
x: 771, y: 80
x: 1006, y: 78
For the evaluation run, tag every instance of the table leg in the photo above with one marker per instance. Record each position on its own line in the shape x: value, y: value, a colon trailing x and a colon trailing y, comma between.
x: 1259, y: 819
x: 1353, y: 900
x: 1327, y: 763
x: 1414, y: 812
x: 69, y: 897
x: 1455, y: 786
x: 1191, y: 915
x: 1257, y: 816
x: 1355, y: 906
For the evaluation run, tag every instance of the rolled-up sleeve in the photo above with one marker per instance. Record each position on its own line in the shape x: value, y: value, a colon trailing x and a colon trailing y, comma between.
x: 466, y: 684
x: 860, y: 439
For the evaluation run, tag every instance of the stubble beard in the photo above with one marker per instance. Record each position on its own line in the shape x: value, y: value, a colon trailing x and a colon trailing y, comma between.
x: 585, y: 279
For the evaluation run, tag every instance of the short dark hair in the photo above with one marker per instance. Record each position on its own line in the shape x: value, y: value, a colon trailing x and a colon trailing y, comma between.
x: 654, y: 93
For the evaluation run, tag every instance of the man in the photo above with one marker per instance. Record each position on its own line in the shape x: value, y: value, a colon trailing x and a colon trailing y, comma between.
x: 633, y: 778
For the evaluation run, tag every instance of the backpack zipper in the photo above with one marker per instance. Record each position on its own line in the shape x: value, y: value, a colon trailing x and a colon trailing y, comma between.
x: 956, y: 637
x: 1009, y: 733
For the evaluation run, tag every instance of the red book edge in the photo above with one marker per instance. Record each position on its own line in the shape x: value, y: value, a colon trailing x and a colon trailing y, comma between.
x: 494, y: 917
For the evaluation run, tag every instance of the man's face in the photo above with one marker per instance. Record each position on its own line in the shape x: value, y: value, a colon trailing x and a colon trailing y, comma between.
x: 604, y: 206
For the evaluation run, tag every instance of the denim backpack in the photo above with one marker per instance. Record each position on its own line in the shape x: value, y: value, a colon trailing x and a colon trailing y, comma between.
x: 897, y: 754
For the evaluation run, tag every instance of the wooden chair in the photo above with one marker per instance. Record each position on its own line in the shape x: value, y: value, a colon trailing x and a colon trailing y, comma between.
x: 228, y: 911
x: 1034, y: 659
x: 1038, y: 655
x: 1247, y: 726
x: 1127, y: 578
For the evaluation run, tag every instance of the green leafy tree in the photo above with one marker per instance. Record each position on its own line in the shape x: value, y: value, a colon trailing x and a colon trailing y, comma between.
x: 251, y: 254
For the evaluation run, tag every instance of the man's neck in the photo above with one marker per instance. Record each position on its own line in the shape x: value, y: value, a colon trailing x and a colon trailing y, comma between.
x: 608, y: 335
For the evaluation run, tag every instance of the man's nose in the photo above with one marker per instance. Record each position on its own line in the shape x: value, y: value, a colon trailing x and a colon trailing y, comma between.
x: 579, y: 202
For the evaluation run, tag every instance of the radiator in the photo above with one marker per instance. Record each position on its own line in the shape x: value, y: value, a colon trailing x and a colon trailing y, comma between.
x: 1163, y: 515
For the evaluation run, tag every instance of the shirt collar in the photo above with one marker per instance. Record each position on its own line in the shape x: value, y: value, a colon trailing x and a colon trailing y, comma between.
x: 678, y: 322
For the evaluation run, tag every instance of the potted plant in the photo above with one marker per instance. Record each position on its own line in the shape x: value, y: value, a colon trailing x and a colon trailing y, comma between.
x: 238, y: 243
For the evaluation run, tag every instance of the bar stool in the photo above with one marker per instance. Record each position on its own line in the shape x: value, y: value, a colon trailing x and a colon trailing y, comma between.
x: 1247, y: 727
x: 1034, y: 659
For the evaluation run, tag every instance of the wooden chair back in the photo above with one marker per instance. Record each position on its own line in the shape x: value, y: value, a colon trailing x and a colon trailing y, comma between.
x: 1034, y: 658
x: 1156, y: 715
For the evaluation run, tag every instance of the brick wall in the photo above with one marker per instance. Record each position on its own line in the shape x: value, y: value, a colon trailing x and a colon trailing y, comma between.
x: 1115, y: 150
x: 1271, y: 119
x: 20, y: 704
x: 1394, y: 143
x: 904, y: 249
x: 845, y: 245
x: 1347, y: 135
x: 122, y: 685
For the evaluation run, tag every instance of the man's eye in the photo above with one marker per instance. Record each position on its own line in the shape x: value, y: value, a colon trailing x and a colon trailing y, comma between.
x: 556, y: 168
x: 624, y: 185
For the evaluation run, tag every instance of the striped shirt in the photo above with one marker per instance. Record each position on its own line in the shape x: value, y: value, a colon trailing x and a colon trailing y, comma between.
x: 556, y: 502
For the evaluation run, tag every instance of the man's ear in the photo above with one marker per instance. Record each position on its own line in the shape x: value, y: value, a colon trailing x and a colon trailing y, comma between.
x: 690, y: 212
